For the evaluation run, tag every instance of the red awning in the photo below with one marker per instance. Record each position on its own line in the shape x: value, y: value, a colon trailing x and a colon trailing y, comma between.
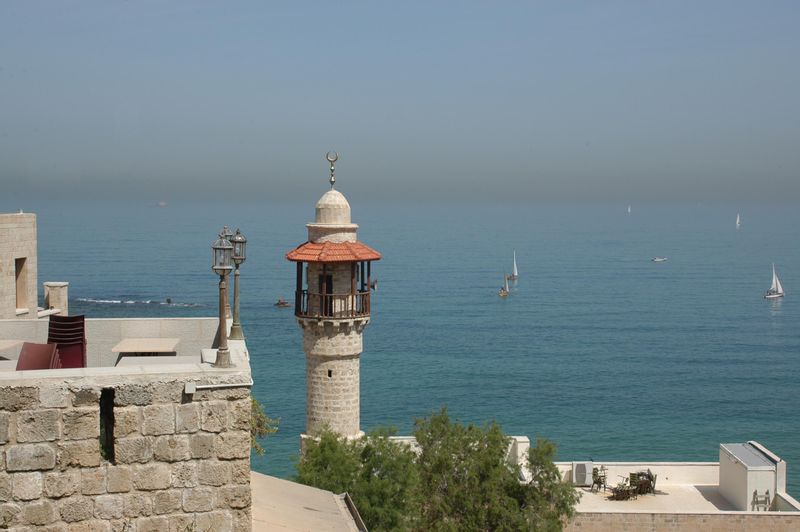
x: 333, y: 252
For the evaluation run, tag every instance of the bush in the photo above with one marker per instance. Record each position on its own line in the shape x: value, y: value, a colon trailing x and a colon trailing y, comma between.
x: 261, y: 425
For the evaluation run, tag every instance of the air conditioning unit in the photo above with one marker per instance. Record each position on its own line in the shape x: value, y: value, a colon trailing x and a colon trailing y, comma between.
x: 582, y: 473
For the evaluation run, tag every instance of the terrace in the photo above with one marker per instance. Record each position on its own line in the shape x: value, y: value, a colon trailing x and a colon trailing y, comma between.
x: 688, y: 496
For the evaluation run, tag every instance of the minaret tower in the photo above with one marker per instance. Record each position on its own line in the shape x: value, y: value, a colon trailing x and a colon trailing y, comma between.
x: 332, y: 307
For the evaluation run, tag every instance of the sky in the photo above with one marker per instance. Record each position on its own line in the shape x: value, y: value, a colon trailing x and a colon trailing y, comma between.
x: 425, y: 101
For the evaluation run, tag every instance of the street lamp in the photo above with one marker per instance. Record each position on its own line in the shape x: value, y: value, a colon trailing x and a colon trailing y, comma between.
x: 222, y: 250
x: 239, y: 243
x: 227, y: 234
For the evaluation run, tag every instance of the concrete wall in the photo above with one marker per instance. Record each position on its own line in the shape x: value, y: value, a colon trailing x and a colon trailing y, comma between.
x: 18, y: 240
x: 651, y: 522
x: 182, y: 462
x: 104, y: 333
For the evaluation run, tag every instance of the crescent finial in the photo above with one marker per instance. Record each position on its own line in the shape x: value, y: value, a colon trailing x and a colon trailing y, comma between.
x: 332, y: 159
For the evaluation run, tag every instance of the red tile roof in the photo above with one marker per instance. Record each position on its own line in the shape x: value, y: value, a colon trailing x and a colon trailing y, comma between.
x: 332, y: 252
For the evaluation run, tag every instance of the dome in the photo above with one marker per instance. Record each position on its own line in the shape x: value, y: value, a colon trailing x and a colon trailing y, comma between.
x: 333, y: 208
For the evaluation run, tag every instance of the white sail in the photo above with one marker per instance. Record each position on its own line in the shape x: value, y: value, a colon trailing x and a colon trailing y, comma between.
x: 738, y: 221
x: 505, y: 283
x: 514, y: 272
x: 776, y: 287
x: 629, y: 209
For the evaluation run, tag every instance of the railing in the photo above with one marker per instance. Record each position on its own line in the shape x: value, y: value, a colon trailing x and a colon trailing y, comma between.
x: 311, y: 305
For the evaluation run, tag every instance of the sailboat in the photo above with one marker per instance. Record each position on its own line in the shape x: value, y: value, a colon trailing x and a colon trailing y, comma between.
x: 514, y: 273
x: 504, y: 289
x: 776, y: 290
x: 629, y: 209
x: 738, y: 221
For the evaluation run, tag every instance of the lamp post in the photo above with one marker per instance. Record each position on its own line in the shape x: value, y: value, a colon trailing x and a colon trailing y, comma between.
x: 239, y: 243
x: 222, y: 250
x: 227, y: 234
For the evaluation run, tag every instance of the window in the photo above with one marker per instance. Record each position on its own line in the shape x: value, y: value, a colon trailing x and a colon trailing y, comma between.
x: 21, y: 273
x: 107, y: 424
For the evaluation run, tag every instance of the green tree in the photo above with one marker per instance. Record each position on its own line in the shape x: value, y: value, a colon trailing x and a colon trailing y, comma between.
x: 458, y: 480
x: 261, y: 425
x: 465, y: 481
x: 550, y: 500
x: 378, y: 473
x: 330, y: 463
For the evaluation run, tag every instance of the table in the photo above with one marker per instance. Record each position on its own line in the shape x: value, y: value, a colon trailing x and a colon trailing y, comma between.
x: 146, y: 345
x: 156, y: 360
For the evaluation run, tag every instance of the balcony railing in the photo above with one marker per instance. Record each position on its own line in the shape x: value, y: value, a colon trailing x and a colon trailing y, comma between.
x: 312, y: 305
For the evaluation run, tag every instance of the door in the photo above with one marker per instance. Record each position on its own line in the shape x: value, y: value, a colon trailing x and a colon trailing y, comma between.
x: 326, y: 297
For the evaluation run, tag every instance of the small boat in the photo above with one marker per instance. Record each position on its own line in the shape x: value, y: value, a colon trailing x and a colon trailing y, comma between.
x: 659, y: 259
x: 738, y: 221
x: 504, y: 289
x: 282, y: 303
x: 776, y: 290
x: 514, y: 273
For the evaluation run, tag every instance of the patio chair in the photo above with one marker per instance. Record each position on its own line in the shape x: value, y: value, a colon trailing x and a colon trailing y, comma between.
x: 38, y: 356
x: 633, y: 482
x: 598, y: 479
x: 69, y: 333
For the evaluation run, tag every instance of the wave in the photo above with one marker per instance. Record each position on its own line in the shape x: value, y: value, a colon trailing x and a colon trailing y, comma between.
x: 135, y: 302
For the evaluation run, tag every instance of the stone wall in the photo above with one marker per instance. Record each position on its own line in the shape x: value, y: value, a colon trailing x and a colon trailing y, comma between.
x: 332, y: 352
x: 647, y: 522
x: 18, y: 240
x: 181, y: 462
x: 332, y: 395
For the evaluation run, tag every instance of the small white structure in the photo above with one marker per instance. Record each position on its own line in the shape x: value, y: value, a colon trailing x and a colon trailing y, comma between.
x: 749, y: 472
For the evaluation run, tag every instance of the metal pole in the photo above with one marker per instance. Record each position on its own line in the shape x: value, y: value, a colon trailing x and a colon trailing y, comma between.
x: 223, y: 355
x: 228, y: 313
x: 236, y: 327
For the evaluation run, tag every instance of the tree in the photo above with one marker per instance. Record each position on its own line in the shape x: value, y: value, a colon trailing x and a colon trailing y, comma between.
x: 378, y: 474
x: 459, y: 480
x: 465, y: 481
x: 551, y: 500
x: 261, y: 425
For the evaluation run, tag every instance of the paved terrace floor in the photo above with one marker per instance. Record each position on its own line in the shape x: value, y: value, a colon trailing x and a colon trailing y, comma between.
x: 675, y: 498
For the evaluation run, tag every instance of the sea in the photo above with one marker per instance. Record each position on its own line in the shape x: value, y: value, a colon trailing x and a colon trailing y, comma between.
x: 610, y: 355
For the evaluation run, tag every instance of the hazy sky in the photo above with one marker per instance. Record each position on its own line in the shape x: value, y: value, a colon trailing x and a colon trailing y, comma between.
x: 525, y: 101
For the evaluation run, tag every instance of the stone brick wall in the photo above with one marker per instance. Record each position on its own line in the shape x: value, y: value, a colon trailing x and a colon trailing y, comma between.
x: 181, y: 462
x: 18, y: 240
x: 647, y: 522
x: 333, y: 349
x: 332, y: 395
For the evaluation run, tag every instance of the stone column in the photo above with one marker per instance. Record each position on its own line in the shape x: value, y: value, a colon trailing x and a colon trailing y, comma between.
x: 56, y: 295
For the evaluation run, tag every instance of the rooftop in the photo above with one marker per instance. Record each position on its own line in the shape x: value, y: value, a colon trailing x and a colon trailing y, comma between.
x: 332, y: 252
x: 283, y: 505
x: 681, y: 488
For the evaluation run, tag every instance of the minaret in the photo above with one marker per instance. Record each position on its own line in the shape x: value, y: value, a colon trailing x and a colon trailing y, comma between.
x: 332, y: 307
